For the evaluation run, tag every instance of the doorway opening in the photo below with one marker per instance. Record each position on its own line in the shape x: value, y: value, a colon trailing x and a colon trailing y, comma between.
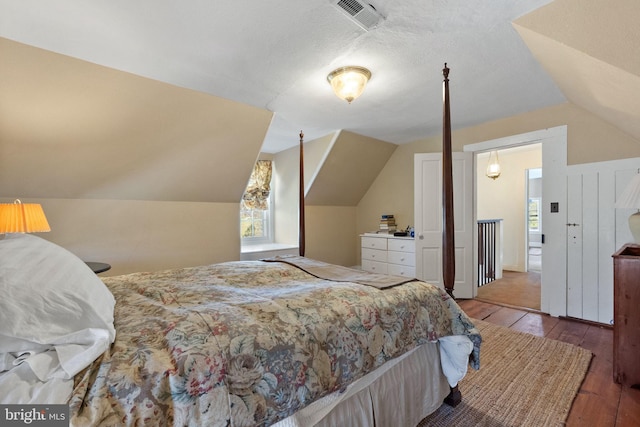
x: 553, y: 278
x: 534, y: 219
x: 514, y: 199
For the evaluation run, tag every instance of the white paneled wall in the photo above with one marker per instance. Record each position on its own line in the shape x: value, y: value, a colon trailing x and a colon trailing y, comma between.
x: 595, y: 230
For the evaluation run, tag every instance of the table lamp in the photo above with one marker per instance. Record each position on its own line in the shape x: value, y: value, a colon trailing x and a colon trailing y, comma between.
x: 18, y: 217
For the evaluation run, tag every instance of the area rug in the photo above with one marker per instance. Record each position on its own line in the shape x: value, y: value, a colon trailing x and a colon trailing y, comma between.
x: 524, y: 380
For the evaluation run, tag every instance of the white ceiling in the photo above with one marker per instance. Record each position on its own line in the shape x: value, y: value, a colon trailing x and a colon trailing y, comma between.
x: 276, y: 55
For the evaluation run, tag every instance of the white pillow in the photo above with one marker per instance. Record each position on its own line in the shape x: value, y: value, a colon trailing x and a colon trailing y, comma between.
x: 51, y: 300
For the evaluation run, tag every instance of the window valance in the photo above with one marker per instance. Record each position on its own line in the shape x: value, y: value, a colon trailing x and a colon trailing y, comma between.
x: 256, y: 195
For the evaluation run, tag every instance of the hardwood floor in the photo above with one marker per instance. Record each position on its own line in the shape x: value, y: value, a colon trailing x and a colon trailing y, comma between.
x: 600, y: 402
x: 514, y: 288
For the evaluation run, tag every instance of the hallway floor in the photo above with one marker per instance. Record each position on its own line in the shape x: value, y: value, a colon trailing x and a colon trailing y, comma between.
x: 515, y: 289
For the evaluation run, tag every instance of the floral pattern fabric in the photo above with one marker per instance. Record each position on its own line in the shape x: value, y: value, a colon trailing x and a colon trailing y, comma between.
x: 249, y: 343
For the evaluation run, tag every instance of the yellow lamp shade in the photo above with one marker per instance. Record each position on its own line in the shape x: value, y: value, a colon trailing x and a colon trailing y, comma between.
x: 18, y: 217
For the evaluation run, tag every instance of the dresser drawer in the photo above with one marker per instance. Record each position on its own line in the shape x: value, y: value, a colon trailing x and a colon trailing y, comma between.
x: 402, y: 245
x: 374, y: 243
x: 374, y: 255
x: 401, y: 270
x: 374, y: 266
x: 401, y: 258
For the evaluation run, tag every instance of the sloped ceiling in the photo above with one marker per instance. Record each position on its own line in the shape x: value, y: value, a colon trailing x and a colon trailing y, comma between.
x: 351, y: 166
x: 590, y: 50
x: 72, y: 129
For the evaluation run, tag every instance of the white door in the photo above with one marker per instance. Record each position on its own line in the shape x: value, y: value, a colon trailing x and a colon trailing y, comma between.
x: 428, y: 220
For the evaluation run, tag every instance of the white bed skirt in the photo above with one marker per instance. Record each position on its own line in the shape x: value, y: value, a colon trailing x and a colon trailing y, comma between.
x: 400, y: 393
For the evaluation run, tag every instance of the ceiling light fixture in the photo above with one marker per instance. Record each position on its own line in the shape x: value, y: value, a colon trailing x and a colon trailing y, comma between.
x: 348, y: 82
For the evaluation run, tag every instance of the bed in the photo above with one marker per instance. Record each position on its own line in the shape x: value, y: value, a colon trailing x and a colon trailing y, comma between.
x: 284, y: 342
x: 236, y: 343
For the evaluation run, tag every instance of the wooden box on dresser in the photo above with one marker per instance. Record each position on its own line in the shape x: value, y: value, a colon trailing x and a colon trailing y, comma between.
x: 626, y: 315
x: 388, y: 254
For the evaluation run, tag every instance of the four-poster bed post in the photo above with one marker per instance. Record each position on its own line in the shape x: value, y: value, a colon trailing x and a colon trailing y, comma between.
x: 301, y: 229
x: 448, y: 241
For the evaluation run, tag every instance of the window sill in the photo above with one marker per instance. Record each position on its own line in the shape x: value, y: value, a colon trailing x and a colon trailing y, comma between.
x: 256, y: 252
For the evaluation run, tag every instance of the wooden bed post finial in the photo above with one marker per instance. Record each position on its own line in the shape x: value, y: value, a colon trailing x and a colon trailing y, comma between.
x: 448, y: 243
x: 301, y: 229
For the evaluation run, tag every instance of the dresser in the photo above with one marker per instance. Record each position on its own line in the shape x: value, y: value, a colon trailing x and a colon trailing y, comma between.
x: 388, y: 254
x: 626, y: 316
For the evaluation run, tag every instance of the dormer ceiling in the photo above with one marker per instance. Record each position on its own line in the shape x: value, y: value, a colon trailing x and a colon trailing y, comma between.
x: 505, y: 57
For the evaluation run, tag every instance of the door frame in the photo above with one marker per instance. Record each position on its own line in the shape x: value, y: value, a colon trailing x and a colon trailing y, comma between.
x: 554, y: 164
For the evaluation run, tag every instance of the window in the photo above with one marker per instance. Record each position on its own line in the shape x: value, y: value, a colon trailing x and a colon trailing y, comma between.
x: 255, y: 225
x: 534, y: 214
x: 255, y: 207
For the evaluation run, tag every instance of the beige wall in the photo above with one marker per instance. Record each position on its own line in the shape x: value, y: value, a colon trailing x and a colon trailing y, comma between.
x: 330, y: 234
x: 590, y: 139
x: 134, y: 235
x: 505, y: 198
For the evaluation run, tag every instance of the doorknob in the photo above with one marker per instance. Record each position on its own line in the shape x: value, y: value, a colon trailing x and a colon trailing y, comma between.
x: 421, y: 236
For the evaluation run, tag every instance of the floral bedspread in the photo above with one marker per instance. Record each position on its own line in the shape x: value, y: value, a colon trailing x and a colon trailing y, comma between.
x: 248, y: 343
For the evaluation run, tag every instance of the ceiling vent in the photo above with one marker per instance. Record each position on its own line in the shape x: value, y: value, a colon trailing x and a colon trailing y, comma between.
x: 361, y: 13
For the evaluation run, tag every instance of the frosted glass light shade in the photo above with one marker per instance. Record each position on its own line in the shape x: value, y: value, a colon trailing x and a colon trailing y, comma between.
x: 630, y: 199
x: 18, y: 217
x: 493, y: 168
x: 348, y: 83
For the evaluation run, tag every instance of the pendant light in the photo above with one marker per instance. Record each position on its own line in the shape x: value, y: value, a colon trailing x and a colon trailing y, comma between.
x: 493, y: 168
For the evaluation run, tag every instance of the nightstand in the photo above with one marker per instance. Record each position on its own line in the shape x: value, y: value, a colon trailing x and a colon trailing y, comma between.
x: 98, y: 267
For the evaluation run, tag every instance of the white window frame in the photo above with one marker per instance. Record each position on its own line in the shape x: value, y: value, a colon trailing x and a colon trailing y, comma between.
x: 538, y: 201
